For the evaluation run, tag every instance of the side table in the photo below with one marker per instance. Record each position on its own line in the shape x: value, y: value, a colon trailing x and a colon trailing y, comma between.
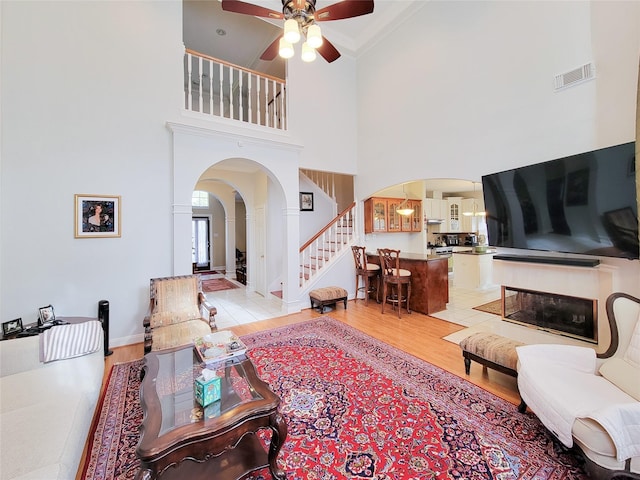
x: 33, y: 329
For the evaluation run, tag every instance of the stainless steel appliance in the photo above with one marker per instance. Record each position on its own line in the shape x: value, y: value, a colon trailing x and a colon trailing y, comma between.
x: 470, y: 240
x: 452, y: 240
x: 442, y: 250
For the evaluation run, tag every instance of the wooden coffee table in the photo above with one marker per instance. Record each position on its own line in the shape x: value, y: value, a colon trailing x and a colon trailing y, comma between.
x: 180, y: 439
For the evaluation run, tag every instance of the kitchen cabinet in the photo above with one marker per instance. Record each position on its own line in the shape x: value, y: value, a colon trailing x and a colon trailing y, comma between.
x: 473, y: 271
x: 454, y: 214
x: 435, y: 209
x: 375, y: 215
x: 394, y: 223
x: 416, y: 216
x: 413, y: 222
x: 380, y: 215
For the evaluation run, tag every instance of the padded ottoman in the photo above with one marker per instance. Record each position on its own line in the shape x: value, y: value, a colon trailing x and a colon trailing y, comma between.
x: 491, y: 350
x: 320, y: 297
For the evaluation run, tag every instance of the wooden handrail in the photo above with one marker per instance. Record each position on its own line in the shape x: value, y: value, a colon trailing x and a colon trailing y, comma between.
x: 248, y: 70
x: 327, y: 226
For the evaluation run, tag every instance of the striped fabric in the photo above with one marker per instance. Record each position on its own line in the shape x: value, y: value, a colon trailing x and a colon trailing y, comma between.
x: 68, y: 341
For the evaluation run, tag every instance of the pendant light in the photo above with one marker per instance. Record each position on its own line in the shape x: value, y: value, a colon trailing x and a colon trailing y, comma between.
x: 404, y: 208
x: 474, y: 212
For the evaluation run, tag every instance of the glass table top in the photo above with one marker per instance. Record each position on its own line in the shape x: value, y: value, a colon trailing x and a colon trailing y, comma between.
x: 175, y: 388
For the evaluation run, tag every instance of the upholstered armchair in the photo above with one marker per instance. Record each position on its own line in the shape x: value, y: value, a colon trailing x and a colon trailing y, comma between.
x: 178, y: 313
x: 591, y: 400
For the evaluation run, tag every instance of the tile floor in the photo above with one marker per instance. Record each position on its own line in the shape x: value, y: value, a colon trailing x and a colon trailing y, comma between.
x: 238, y: 306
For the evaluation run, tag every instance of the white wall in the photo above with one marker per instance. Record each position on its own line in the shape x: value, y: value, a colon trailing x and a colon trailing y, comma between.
x: 86, y: 90
x: 473, y: 93
x: 322, y: 107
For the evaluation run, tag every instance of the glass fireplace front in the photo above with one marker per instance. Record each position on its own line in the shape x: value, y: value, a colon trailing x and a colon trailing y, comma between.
x: 571, y: 316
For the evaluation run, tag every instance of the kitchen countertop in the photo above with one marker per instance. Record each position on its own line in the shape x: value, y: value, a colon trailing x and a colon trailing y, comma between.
x: 416, y: 256
x: 471, y: 252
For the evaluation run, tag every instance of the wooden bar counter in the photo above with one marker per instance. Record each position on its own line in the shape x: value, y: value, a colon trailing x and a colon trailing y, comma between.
x: 429, y: 280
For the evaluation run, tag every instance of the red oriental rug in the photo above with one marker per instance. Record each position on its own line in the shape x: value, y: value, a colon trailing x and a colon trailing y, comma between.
x: 217, y: 284
x: 358, y: 408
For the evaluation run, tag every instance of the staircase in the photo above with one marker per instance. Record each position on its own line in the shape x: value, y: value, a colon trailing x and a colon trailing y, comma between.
x: 326, y: 245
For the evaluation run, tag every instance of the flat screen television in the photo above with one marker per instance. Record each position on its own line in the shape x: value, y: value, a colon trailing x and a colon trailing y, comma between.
x: 581, y: 204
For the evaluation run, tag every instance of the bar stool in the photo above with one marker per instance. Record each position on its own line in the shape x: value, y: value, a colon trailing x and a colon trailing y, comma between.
x: 394, y: 277
x: 367, y: 271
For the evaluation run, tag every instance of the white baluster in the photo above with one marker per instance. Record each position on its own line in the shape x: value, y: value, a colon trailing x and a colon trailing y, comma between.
x: 274, y: 104
x: 210, y: 87
x: 200, y: 84
x: 189, y: 92
x: 231, y: 108
x: 250, y: 98
x: 241, y: 95
x: 220, y: 90
x: 283, y: 108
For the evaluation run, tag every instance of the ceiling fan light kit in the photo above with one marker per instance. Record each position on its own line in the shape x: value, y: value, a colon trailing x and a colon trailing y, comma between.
x: 300, y: 19
x: 308, y: 52
x: 314, y: 36
x: 291, y: 31
x: 285, y: 49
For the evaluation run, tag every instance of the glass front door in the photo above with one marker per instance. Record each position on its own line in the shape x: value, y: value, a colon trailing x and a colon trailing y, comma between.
x: 200, y: 243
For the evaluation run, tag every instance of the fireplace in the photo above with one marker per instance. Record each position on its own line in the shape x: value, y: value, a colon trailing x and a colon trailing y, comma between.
x: 562, y: 314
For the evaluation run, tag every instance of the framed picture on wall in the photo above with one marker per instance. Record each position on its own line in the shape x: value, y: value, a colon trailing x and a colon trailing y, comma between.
x: 306, y: 201
x: 97, y: 216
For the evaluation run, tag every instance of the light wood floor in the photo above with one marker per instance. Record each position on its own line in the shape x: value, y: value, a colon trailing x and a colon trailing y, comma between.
x: 417, y: 334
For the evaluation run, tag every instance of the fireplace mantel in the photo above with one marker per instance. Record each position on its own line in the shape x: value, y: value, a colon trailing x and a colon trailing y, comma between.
x: 595, y: 282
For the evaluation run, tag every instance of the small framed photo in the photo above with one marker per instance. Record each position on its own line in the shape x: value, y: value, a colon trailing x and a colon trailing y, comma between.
x: 12, y: 326
x: 97, y: 216
x: 46, y: 315
x: 306, y: 201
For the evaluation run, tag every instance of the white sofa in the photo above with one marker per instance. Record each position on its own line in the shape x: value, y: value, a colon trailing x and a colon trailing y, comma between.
x: 591, y: 400
x: 46, y: 409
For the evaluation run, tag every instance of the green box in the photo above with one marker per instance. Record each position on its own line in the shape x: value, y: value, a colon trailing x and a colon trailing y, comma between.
x: 207, y: 392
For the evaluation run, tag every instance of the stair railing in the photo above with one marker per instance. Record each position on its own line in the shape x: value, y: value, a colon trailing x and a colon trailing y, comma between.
x: 325, y: 245
x: 324, y: 180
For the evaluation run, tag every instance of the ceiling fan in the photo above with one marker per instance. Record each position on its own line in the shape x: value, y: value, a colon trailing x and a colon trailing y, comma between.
x: 300, y: 19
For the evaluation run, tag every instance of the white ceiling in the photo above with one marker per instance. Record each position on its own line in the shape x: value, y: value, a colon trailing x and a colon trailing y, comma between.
x: 247, y: 36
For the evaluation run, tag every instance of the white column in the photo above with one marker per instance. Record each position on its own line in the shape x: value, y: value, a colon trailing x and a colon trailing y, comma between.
x: 291, y: 282
x: 182, y: 243
x: 230, y: 242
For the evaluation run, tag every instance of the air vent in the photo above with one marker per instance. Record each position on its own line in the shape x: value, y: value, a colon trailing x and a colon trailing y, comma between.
x: 576, y: 76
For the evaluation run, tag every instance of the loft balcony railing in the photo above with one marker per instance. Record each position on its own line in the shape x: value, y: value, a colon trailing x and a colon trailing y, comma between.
x: 217, y: 88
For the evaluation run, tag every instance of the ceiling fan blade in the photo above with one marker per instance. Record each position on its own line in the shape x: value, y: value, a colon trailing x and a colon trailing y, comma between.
x: 237, y: 6
x: 344, y: 9
x: 271, y: 51
x: 328, y: 51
